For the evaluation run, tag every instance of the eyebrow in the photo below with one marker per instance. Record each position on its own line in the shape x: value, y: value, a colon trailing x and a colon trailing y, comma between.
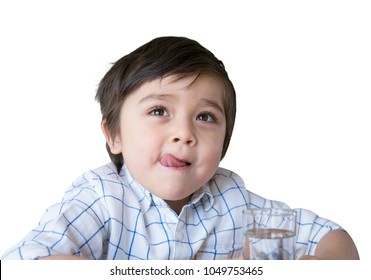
x: 155, y: 96
x: 213, y: 104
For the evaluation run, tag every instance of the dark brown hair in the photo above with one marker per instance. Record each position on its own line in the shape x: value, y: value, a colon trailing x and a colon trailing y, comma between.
x: 161, y: 57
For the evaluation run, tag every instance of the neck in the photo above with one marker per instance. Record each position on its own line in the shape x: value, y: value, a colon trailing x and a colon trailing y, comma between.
x: 177, y: 205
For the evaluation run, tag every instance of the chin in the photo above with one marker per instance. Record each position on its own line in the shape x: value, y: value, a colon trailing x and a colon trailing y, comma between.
x: 176, y: 196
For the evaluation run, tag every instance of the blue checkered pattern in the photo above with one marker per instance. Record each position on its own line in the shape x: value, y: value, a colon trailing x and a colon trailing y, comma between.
x: 106, y: 215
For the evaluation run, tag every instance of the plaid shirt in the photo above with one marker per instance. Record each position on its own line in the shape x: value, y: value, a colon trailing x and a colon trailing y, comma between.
x: 106, y: 215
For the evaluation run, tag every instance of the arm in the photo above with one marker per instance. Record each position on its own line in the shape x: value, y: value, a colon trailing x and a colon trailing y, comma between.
x: 335, y: 245
x: 63, y: 233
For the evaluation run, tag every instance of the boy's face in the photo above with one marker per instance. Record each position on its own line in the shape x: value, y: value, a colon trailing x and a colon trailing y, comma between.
x: 172, y: 134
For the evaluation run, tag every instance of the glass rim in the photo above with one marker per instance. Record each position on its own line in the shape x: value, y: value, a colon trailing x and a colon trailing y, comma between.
x: 270, y: 211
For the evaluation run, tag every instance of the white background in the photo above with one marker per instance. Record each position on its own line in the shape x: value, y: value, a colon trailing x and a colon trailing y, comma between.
x: 301, y: 69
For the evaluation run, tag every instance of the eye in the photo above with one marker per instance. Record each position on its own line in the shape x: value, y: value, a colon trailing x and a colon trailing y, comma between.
x: 159, y: 111
x: 206, y: 117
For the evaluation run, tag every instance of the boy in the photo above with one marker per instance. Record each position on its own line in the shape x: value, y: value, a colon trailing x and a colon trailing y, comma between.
x: 168, y: 111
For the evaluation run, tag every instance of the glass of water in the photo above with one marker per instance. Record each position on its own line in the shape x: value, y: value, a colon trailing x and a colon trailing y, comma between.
x: 269, y: 234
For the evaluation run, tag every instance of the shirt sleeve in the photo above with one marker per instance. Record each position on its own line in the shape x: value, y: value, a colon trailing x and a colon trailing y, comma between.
x: 310, y: 230
x: 76, y: 226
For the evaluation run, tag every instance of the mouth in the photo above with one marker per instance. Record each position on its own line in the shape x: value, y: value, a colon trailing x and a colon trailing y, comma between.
x: 169, y: 160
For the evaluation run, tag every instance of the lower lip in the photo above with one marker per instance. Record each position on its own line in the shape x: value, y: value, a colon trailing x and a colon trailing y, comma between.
x: 177, y: 168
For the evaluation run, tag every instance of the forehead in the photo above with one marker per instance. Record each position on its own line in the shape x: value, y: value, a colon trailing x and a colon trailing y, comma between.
x: 205, y: 85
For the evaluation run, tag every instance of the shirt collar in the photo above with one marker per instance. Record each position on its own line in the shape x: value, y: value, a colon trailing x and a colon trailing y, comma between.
x: 144, y: 196
x: 204, y: 197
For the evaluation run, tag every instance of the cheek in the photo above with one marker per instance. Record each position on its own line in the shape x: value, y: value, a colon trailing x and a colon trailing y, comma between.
x: 214, y: 146
x: 214, y: 153
x: 139, y: 142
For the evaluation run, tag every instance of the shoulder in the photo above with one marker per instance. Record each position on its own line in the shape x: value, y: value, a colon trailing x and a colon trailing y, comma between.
x: 227, y: 180
x: 103, y: 173
x: 96, y: 183
x: 100, y: 176
x: 226, y: 176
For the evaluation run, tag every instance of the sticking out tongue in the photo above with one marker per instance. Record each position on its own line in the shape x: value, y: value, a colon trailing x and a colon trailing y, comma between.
x: 169, y: 160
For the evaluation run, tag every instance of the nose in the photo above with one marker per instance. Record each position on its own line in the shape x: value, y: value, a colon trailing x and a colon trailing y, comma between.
x: 184, y: 132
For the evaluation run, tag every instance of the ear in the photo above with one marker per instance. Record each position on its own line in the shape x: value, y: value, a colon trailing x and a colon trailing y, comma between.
x: 113, y: 143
